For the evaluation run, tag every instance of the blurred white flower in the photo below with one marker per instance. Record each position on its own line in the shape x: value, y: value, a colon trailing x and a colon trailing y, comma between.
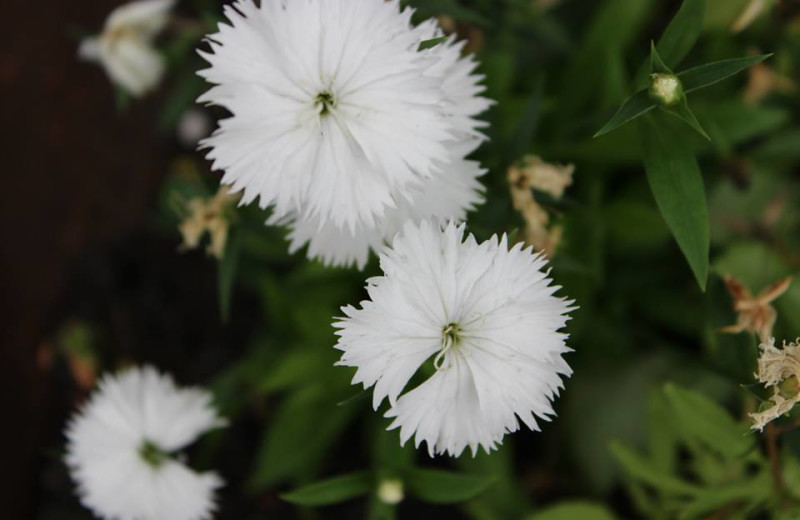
x: 338, y: 119
x: 486, y: 316
x: 125, y: 47
x: 121, y: 444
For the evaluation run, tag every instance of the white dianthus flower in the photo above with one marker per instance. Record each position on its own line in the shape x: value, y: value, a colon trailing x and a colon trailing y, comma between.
x: 121, y: 444
x: 486, y: 316
x: 442, y: 197
x: 338, y: 119
x: 125, y: 47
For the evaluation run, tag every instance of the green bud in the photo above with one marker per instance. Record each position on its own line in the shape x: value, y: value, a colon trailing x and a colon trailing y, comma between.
x: 666, y: 89
x: 789, y: 388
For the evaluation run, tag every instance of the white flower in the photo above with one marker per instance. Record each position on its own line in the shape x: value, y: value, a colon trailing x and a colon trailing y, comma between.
x: 120, y: 448
x: 125, y: 47
x: 486, y: 316
x: 442, y: 197
x: 338, y: 119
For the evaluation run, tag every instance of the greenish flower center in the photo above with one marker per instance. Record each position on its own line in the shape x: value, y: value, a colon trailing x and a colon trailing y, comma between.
x: 324, y: 102
x: 450, y: 339
x: 152, y: 454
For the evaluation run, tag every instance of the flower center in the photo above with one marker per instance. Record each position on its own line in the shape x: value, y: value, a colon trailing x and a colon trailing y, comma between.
x: 152, y: 454
x: 450, y: 339
x: 324, y: 102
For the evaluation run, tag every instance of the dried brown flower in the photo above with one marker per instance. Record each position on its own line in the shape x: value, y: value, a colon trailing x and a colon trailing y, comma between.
x: 533, y: 173
x: 210, y: 216
x: 779, y: 369
x: 755, y: 314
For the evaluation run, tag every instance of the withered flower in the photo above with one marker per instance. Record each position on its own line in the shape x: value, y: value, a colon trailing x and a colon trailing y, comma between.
x: 210, y: 216
x: 755, y: 314
x: 779, y: 369
x: 533, y: 173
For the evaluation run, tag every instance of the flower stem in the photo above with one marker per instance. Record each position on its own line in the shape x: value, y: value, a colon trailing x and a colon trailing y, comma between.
x: 774, y: 459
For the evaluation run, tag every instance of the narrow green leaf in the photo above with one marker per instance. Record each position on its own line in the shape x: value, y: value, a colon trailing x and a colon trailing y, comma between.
x: 714, y: 499
x: 682, y: 32
x: 642, y: 470
x: 362, y: 395
x: 446, y: 487
x: 635, y: 106
x: 611, y: 32
x: 294, y: 368
x: 677, y: 186
x: 433, y: 42
x: 295, y: 442
x: 710, y: 73
x: 657, y: 65
x: 704, y: 420
x: 574, y: 511
x: 525, y: 130
x: 331, y: 491
x: 685, y: 114
x: 228, y: 266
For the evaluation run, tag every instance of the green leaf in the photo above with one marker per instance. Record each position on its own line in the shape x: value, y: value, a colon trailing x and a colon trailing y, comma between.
x: 446, y: 487
x: 331, y: 491
x: 714, y: 499
x: 433, y: 42
x: 574, y: 511
x: 505, y: 498
x: 302, y: 432
x: 682, y: 32
x: 389, y: 456
x: 685, y: 114
x: 228, y: 266
x: 702, y: 419
x: 710, y: 73
x: 296, y: 367
x: 616, y: 24
x: 635, y: 106
x: 657, y: 65
x: 642, y: 470
x: 661, y: 439
x: 525, y: 130
x: 677, y: 186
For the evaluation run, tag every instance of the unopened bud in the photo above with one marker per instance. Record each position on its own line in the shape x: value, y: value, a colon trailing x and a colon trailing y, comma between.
x: 789, y: 387
x: 666, y: 89
x: 390, y: 491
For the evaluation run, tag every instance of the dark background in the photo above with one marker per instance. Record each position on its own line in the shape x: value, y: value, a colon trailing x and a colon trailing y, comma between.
x: 79, y: 176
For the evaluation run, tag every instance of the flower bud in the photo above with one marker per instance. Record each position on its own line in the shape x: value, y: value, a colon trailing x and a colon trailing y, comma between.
x: 390, y: 491
x: 666, y: 89
x: 789, y: 387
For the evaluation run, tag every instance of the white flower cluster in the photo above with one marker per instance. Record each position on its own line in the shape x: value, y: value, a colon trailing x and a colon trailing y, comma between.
x: 355, y: 127
x: 340, y: 123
